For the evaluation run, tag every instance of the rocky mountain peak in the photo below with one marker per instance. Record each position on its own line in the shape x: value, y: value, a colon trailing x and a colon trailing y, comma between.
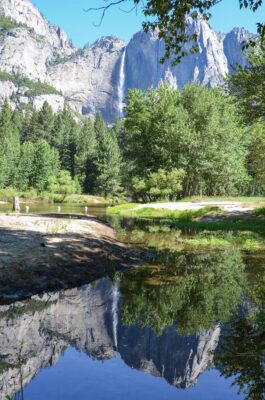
x: 97, y: 78
x: 24, y: 12
x: 109, y: 43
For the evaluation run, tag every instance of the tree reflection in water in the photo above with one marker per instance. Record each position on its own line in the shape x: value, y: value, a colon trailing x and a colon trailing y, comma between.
x: 193, y: 291
x: 242, y: 350
x: 164, y: 318
x: 196, y: 291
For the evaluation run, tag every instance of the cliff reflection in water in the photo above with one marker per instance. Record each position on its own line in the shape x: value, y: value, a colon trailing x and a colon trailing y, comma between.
x: 165, y: 324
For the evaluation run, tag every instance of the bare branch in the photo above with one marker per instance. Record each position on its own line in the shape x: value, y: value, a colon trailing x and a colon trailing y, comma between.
x: 104, y: 9
x: 130, y: 10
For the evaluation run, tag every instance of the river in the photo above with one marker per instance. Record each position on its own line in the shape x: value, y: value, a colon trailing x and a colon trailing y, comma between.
x: 187, y: 324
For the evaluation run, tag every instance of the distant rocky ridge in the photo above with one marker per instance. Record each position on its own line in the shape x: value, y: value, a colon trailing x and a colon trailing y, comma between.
x: 92, y: 79
x: 88, y: 319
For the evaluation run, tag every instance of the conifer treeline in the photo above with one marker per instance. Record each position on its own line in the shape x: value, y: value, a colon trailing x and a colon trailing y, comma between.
x: 39, y: 146
x: 170, y: 144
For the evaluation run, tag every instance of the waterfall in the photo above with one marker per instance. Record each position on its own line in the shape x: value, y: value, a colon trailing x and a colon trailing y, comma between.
x: 121, y: 87
x: 115, y: 313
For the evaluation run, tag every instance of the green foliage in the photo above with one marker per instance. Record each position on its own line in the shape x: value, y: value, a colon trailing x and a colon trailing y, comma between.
x: 36, y: 145
x: 260, y: 211
x: 86, y: 152
x: 196, y: 130
x: 7, y: 194
x: 26, y: 166
x: 162, y: 236
x: 65, y: 137
x: 7, y: 24
x: 241, y: 355
x: 132, y: 210
x: 5, y: 76
x: 35, y: 88
x: 191, y: 291
x: 39, y: 125
x: 45, y: 164
x: 62, y: 184
x: 9, y: 147
x: 256, y: 158
x: 160, y: 184
x: 247, y: 85
x: 170, y: 145
x: 190, y: 219
x: 108, y: 161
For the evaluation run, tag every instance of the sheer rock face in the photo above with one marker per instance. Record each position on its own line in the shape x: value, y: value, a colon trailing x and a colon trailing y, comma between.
x: 178, y: 359
x: 56, y: 101
x: 42, y: 328
x: 22, y: 52
x: 23, y: 11
x: 77, y: 317
x: 232, y: 51
x: 90, y: 78
x: 144, y: 51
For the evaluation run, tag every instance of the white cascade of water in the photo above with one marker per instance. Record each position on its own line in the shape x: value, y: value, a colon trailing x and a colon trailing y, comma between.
x: 121, y: 87
x: 115, y: 313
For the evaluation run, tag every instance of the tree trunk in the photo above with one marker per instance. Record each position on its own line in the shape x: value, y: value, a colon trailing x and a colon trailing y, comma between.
x: 16, y: 206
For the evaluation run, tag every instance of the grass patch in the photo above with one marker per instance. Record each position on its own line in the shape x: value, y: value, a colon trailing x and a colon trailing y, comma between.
x: 186, y: 220
x: 130, y: 210
x: 163, y: 237
x: 7, y: 194
x: 221, y: 240
x: 246, y: 199
x: 259, y: 211
x: 121, y: 208
x: 32, y: 195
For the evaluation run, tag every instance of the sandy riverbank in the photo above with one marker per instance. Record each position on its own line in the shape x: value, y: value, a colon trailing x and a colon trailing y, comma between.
x: 39, y: 253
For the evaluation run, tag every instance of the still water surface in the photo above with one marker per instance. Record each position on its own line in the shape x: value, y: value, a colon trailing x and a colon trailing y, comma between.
x: 188, y: 324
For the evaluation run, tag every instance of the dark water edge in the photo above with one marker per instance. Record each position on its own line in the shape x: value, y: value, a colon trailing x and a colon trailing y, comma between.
x: 184, y: 325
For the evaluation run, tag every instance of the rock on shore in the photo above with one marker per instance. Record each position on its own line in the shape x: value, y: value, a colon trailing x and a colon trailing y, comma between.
x: 40, y: 253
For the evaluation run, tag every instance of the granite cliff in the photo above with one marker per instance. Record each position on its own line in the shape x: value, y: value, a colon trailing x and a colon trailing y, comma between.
x: 35, y: 333
x: 96, y: 78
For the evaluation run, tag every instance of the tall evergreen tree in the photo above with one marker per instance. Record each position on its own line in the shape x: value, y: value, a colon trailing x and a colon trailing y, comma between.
x: 108, y: 164
x: 46, y: 120
x: 25, y: 173
x: 86, y: 152
x: 65, y: 136
x: 9, y: 147
x: 45, y: 164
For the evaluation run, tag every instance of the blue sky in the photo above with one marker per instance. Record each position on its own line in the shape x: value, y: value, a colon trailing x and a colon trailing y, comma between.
x: 70, y: 15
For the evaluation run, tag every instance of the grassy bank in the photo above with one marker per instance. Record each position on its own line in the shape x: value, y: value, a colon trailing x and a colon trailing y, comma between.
x: 206, y: 227
x: 130, y: 210
x: 7, y: 194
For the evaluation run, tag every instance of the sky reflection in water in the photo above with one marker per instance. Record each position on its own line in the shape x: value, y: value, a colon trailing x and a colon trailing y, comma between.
x: 117, y: 339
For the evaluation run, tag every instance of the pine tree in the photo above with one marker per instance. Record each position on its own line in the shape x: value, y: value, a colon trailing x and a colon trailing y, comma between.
x: 86, y: 152
x: 25, y: 171
x: 34, y: 130
x: 64, y: 138
x: 45, y: 164
x: 46, y: 121
x: 108, y: 164
x: 9, y: 147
